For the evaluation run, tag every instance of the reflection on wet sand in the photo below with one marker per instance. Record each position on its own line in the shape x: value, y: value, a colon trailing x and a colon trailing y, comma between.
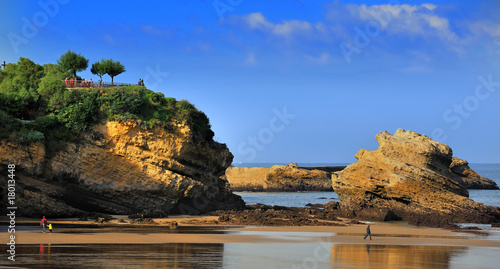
x: 248, y: 255
x: 393, y: 256
x: 181, y: 255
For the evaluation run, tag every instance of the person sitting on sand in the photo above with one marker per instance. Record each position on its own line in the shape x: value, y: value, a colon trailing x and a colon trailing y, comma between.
x: 43, y: 222
x: 50, y: 227
x: 368, y: 232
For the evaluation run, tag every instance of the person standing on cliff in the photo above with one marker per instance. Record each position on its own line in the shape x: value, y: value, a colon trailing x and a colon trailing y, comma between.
x: 368, y: 232
x: 43, y: 223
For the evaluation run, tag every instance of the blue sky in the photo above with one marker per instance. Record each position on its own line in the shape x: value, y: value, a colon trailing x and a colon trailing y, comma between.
x: 291, y: 80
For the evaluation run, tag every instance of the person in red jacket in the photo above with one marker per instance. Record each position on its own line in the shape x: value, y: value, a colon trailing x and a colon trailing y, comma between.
x: 43, y: 223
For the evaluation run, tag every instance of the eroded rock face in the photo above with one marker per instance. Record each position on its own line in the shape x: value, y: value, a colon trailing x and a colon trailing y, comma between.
x: 125, y: 169
x: 407, y: 178
x: 468, y: 178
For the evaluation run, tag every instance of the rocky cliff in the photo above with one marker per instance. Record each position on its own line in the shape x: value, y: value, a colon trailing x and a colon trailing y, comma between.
x: 289, y: 177
x: 122, y: 168
x: 468, y: 178
x: 407, y: 178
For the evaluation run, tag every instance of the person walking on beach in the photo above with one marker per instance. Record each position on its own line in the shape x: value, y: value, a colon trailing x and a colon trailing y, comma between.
x: 43, y: 223
x: 368, y: 232
x: 50, y: 227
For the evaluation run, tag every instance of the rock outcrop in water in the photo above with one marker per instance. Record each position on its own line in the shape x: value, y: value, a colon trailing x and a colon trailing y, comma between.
x: 468, y: 178
x: 122, y: 168
x: 407, y: 178
x: 289, y: 177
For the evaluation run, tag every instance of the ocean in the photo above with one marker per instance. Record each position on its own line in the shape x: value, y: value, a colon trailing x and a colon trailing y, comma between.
x: 300, y: 199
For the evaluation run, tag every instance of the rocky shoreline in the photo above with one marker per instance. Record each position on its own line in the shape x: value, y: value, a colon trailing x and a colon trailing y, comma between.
x: 407, y: 178
x: 292, y: 178
x: 254, y: 215
x: 281, y: 178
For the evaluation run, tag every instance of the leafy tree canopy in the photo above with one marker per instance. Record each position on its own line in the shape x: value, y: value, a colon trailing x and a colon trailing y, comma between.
x: 56, y: 71
x: 73, y: 62
x: 19, y: 86
x: 114, y: 68
x: 100, y: 68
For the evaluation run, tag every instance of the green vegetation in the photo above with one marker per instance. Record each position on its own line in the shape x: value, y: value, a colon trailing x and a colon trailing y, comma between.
x: 73, y: 62
x: 114, y: 69
x: 35, y: 105
x: 99, y: 69
x: 109, y: 67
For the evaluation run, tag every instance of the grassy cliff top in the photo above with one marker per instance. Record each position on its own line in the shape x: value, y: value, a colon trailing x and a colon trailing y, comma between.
x: 35, y: 105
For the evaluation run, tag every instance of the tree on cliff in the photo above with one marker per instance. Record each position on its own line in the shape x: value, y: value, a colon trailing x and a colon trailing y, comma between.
x: 114, y: 68
x: 100, y: 68
x: 73, y: 62
x: 19, y: 87
x: 56, y: 71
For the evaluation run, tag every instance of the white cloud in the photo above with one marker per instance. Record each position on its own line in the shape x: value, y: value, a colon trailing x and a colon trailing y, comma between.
x: 323, y: 58
x: 152, y: 30
x: 429, y: 6
x: 416, y: 69
x: 204, y: 45
x: 251, y: 60
x: 423, y: 24
x: 403, y: 20
x: 287, y: 28
x: 420, y: 55
x: 486, y: 27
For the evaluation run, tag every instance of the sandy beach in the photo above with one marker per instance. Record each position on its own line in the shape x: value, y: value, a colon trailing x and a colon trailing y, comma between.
x: 382, y: 233
x: 393, y: 245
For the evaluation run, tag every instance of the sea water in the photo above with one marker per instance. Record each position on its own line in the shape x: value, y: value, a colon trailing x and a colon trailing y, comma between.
x: 487, y: 197
x: 301, y: 199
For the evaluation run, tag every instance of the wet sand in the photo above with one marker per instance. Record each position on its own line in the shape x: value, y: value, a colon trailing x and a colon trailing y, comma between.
x: 114, y: 245
x: 382, y: 234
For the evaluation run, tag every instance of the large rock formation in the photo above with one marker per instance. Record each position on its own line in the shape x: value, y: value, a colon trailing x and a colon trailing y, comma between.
x: 407, y: 178
x: 122, y: 168
x: 289, y: 177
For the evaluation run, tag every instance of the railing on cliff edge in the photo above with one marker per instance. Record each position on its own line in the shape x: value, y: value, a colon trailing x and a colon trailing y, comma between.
x: 92, y: 84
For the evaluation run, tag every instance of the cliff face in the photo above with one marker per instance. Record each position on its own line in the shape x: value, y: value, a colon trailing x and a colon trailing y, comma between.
x: 408, y: 177
x: 278, y: 178
x: 124, y: 169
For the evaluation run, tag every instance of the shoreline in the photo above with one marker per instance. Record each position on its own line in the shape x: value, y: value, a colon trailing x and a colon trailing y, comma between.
x: 383, y: 234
